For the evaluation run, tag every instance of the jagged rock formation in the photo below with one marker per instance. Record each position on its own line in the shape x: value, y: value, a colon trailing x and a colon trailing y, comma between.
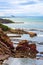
x: 6, y: 46
x: 25, y: 50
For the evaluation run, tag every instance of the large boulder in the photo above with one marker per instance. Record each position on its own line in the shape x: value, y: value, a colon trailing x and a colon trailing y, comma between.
x: 24, y: 49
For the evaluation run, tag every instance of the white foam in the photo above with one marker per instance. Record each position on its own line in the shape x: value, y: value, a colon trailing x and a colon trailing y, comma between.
x: 40, y: 35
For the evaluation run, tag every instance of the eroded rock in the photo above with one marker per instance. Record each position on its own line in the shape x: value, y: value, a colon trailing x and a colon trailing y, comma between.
x: 24, y: 49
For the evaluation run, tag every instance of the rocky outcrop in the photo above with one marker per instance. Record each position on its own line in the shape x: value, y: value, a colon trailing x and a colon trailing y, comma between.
x: 6, y: 46
x: 16, y: 31
x: 20, y: 31
x: 6, y: 21
x: 25, y: 50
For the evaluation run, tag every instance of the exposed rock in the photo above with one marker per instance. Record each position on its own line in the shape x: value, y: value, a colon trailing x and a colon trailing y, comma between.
x: 20, y: 31
x: 32, y: 34
x: 24, y: 49
x: 6, y: 21
x: 3, y: 57
x: 6, y: 46
x: 16, y: 31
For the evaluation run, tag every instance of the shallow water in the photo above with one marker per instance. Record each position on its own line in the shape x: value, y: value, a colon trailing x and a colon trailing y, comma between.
x: 29, y: 25
x: 23, y: 61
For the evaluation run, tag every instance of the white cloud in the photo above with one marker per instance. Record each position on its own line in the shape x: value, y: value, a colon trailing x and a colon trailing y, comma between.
x: 15, y: 8
x: 17, y: 1
x: 2, y: 14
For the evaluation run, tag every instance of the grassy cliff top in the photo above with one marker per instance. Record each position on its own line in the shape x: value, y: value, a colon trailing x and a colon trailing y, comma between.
x: 4, y: 27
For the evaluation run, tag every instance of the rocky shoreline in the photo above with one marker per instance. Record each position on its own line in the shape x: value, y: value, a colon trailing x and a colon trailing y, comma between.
x: 23, y: 49
x: 6, y: 29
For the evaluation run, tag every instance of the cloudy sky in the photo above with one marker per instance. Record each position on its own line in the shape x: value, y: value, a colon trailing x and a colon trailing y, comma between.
x: 21, y: 7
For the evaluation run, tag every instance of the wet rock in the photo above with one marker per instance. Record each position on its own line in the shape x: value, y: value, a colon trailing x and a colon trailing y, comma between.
x: 24, y: 49
x: 32, y: 34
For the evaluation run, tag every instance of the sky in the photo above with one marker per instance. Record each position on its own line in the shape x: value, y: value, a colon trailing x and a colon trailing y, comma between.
x: 21, y: 7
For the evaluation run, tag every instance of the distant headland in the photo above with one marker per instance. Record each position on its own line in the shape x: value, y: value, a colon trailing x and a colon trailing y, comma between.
x: 6, y: 21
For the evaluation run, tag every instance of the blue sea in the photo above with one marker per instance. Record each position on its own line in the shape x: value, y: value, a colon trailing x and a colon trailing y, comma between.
x: 33, y: 22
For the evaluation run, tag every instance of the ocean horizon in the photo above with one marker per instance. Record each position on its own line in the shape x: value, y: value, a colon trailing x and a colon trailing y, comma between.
x: 25, y: 18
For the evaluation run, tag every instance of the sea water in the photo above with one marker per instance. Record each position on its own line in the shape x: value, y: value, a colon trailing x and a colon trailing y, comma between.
x: 35, y: 22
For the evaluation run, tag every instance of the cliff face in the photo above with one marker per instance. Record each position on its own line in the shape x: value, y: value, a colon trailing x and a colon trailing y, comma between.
x: 6, y: 46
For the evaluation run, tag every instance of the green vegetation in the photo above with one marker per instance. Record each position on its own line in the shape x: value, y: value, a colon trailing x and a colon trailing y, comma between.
x: 6, y: 21
x: 4, y: 27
